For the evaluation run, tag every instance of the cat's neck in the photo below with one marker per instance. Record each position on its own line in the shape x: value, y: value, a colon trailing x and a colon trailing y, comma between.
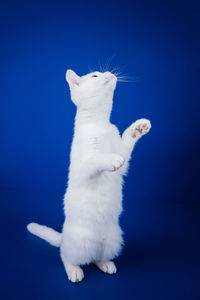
x: 93, y: 115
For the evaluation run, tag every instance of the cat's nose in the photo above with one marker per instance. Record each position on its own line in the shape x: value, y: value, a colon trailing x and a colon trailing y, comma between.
x: 108, y: 75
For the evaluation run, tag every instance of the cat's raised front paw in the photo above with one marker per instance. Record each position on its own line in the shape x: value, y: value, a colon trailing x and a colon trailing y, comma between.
x: 140, y: 127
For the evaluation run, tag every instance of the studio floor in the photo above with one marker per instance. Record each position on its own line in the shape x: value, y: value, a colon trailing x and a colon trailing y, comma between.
x: 158, y: 266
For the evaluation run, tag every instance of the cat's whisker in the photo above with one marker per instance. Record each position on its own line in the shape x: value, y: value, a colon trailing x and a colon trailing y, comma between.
x: 116, y: 70
x: 120, y: 76
x: 127, y: 79
x: 124, y: 78
x: 100, y: 65
x: 90, y: 69
x: 109, y: 60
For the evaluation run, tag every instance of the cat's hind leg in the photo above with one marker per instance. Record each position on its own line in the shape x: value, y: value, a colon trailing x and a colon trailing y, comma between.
x: 112, y: 246
x: 106, y: 266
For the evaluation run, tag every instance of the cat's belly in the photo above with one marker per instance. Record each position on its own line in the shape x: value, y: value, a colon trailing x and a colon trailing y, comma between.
x: 99, y: 200
x: 86, y: 244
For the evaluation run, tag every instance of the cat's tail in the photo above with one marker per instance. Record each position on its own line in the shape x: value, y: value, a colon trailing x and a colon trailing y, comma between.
x: 46, y: 233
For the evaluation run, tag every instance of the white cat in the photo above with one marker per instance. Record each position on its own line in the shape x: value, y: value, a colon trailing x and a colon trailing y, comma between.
x: 99, y: 159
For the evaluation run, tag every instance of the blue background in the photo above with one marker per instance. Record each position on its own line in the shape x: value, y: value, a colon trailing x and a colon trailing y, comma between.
x: 154, y: 41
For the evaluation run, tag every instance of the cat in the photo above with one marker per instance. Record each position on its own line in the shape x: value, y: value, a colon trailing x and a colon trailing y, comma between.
x: 98, y: 161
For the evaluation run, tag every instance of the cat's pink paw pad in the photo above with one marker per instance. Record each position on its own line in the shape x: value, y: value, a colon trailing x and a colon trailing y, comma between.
x: 141, y: 127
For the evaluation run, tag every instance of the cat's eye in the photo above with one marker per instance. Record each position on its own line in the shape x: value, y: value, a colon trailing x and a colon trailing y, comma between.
x: 94, y: 75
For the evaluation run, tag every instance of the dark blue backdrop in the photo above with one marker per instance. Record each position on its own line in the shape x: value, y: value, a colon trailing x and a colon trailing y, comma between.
x: 158, y: 43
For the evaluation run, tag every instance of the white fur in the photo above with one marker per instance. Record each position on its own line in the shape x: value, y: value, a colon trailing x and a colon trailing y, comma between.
x: 45, y: 233
x: 99, y: 159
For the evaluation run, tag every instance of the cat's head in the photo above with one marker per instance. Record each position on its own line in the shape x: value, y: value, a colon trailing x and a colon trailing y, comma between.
x: 92, y: 88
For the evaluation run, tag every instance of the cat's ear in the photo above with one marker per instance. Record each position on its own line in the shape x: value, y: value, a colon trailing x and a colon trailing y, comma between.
x: 72, y: 78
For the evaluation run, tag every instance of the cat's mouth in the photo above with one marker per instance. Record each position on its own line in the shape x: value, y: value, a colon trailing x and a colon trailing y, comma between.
x: 109, y: 79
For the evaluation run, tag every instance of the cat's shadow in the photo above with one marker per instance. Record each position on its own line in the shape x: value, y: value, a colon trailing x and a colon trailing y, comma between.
x: 159, y: 251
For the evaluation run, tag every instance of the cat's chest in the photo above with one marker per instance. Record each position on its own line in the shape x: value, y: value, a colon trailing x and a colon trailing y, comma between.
x: 103, y: 141
x: 97, y: 139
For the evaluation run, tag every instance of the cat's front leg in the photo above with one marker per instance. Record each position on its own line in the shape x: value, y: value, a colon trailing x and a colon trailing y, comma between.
x: 132, y: 134
x: 109, y: 162
x: 99, y: 163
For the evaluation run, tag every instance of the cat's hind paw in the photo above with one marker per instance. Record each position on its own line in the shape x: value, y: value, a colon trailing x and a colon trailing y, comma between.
x: 106, y: 266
